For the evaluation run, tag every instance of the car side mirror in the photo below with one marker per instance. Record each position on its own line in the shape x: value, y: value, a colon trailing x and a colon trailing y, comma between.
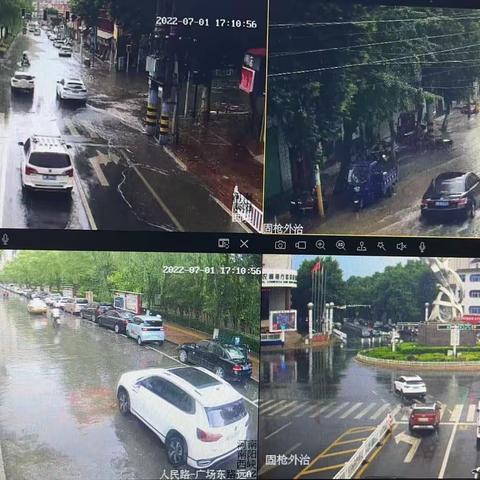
x: 69, y: 146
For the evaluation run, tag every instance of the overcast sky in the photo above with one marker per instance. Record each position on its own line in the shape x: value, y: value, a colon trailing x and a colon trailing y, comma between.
x: 356, y: 265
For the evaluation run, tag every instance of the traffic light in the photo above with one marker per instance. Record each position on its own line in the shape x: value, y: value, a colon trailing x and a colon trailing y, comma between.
x: 67, y: 16
x: 44, y: 14
x: 23, y: 13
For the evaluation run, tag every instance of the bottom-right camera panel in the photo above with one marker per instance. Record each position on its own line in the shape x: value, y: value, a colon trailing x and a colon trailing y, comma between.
x: 369, y: 367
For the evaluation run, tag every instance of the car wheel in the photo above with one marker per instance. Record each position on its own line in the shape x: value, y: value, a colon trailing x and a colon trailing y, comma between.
x: 123, y: 401
x: 176, y: 450
x: 160, y: 343
x: 473, y: 209
x: 117, y: 328
x: 220, y: 372
x: 410, y: 428
x: 182, y: 355
x: 139, y: 340
x: 68, y: 191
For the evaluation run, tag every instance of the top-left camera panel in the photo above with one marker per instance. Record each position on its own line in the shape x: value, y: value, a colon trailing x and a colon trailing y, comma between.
x: 132, y: 115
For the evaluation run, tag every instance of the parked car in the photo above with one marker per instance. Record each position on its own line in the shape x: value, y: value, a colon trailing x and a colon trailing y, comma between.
x: 72, y: 89
x: 146, y: 328
x: 52, y: 298
x: 57, y: 43
x: 225, y: 360
x: 75, y: 306
x: 46, y: 164
x: 37, y: 32
x: 65, y: 51
x: 200, y: 418
x: 22, y: 82
x: 91, y: 311
x: 37, y: 306
x: 410, y: 385
x: 451, y: 193
x: 424, y: 416
x: 60, y: 303
x: 116, y: 320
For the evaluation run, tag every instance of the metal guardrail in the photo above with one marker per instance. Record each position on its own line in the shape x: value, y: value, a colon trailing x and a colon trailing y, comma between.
x: 351, y: 467
x: 243, y: 210
x: 341, y: 335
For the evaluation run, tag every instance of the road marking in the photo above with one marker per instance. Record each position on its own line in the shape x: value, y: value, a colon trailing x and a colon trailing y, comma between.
x: 295, y: 408
x: 95, y: 162
x: 267, y: 468
x: 71, y: 128
x: 335, y: 410
x: 308, y: 409
x: 364, y: 411
x: 159, y: 200
x: 414, y: 444
x: 375, y: 453
x: 384, y: 407
x: 323, y: 469
x: 86, y: 206
x: 442, y: 411
x: 351, y: 409
x: 471, y: 412
x: 456, y: 413
x: 283, y: 407
x: 355, y: 440
x: 271, y: 407
x: 322, y: 409
x: 278, y: 430
x: 447, y: 451
x: 267, y: 402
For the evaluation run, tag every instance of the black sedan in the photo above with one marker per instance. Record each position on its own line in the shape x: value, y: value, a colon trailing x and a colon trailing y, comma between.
x: 116, y: 320
x: 452, y: 193
x: 93, y: 310
x: 225, y: 360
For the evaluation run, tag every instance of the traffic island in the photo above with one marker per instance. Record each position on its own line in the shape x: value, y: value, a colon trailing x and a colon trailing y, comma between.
x: 413, y: 356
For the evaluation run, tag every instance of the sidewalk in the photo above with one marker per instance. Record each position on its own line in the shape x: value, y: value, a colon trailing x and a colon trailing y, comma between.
x: 178, y: 335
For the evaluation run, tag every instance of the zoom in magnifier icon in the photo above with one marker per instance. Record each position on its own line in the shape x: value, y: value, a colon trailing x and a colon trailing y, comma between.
x: 320, y: 244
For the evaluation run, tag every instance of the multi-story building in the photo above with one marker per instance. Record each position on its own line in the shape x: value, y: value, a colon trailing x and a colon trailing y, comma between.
x: 469, y: 271
x: 278, y: 279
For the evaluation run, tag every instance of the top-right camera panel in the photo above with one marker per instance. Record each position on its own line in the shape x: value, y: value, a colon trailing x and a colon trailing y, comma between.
x: 373, y: 119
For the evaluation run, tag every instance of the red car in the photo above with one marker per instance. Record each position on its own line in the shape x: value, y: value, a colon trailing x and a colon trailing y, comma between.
x: 424, y: 417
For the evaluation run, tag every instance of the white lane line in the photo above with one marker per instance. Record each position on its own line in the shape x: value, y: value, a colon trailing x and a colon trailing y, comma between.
x: 322, y: 409
x: 351, y: 409
x: 71, y: 127
x: 271, y: 407
x: 471, y: 412
x: 298, y: 406
x: 456, y: 413
x: 267, y: 468
x: 384, y: 407
x: 278, y: 430
x: 336, y: 410
x: 99, y: 172
x: 308, y: 409
x: 266, y: 402
x: 86, y: 206
x: 447, y: 451
x: 364, y: 411
x: 2, y: 466
x: 442, y: 411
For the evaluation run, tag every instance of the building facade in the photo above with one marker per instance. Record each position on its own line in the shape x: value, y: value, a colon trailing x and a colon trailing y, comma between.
x: 469, y: 271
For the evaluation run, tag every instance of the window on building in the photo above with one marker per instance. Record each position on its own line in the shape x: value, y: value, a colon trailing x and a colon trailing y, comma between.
x: 475, y: 277
x: 474, y: 293
x: 474, y: 310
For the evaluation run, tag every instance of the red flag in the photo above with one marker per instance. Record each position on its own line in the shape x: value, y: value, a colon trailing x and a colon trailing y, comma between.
x: 316, y: 267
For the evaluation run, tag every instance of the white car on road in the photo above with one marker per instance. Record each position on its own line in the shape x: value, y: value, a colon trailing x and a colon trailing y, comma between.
x: 200, y: 417
x: 46, y: 164
x: 72, y: 89
x: 23, y: 82
x: 410, y: 385
x: 76, y: 305
x: 65, y: 51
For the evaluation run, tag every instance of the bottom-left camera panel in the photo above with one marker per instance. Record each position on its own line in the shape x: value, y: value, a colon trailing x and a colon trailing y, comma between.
x: 118, y: 365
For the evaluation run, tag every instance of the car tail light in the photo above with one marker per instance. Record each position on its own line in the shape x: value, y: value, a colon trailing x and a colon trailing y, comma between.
x: 69, y: 173
x: 461, y: 201
x: 237, y: 368
x: 208, y: 437
x: 30, y: 171
x: 424, y: 203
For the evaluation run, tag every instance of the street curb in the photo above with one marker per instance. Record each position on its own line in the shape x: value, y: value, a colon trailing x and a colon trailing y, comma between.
x: 2, y: 466
x: 402, y: 364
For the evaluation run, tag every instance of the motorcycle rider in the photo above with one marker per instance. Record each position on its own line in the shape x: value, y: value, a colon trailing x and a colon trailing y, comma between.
x: 25, y: 59
x: 56, y: 316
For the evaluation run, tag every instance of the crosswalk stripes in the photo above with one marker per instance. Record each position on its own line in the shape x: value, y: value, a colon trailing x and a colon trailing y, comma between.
x: 373, y: 411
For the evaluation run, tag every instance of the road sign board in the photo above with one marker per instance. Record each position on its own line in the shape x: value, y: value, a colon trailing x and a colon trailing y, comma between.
x: 454, y: 336
x: 459, y: 326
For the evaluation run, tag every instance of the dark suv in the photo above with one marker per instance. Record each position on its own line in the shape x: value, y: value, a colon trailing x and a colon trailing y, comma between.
x: 93, y: 310
x: 228, y: 361
x: 116, y: 320
x: 424, y: 416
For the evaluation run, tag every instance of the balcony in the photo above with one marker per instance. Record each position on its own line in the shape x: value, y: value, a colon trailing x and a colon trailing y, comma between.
x: 279, y: 277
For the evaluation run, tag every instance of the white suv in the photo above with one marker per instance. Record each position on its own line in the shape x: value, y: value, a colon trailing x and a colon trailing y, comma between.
x: 46, y: 164
x: 410, y: 385
x: 71, y: 89
x: 23, y: 82
x: 76, y: 306
x: 200, y: 417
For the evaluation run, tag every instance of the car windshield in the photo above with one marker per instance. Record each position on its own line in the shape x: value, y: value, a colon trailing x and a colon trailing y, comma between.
x: 450, y: 185
x: 235, y: 353
x: 20, y: 76
x: 153, y: 323
x: 82, y: 300
x: 50, y: 160
x: 126, y: 315
x: 226, y: 414
x: 423, y: 411
x: 358, y: 174
x: 414, y: 382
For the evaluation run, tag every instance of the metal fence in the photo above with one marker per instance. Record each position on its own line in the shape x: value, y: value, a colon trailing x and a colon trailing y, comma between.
x: 243, y: 210
x: 351, y: 467
x: 341, y: 335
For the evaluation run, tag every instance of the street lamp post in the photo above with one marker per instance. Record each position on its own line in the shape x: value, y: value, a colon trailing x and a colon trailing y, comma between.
x: 426, y: 311
x: 310, y: 320
x: 394, y: 339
